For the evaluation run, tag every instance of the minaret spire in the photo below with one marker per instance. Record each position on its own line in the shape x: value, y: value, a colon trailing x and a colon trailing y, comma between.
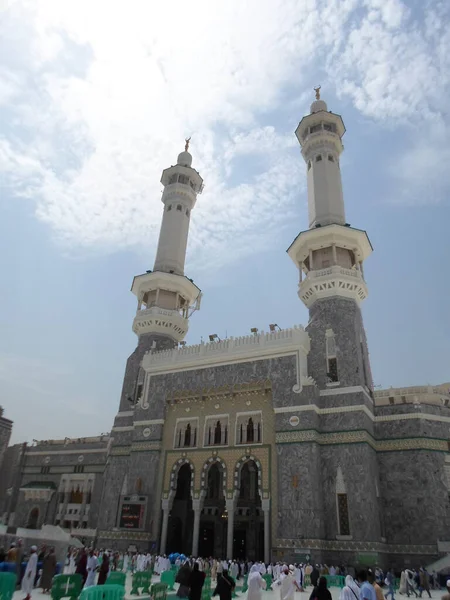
x: 166, y: 297
x: 330, y: 255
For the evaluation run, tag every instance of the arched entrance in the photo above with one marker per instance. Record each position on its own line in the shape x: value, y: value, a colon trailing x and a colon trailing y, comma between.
x: 179, y: 532
x: 213, y: 524
x: 33, y: 519
x: 248, y: 535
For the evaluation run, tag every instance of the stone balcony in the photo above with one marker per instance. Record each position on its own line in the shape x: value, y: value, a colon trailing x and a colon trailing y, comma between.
x: 160, y: 321
x: 332, y: 281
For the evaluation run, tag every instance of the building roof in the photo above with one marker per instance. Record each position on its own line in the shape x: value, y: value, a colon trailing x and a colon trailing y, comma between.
x: 39, y: 485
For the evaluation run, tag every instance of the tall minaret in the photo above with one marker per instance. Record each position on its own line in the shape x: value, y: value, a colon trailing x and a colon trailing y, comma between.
x: 166, y: 297
x: 330, y: 258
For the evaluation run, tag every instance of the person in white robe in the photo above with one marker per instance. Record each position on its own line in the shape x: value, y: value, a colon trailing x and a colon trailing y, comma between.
x: 277, y: 571
x: 287, y: 584
x: 92, y: 564
x: 262, y: 569
x: 298, y: 576
x: 351, y: 590
x: 402, y: 587
x: 30, y: 573
x: 270, y: 569
x: 255, y: 583
x: 332, y: 570
x: 126, y: 562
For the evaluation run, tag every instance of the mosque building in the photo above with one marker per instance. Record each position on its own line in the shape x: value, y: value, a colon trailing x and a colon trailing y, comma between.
x: 272, y: 446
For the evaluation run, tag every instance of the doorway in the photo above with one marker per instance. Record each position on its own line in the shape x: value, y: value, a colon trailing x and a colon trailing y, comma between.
x: 206, y: 540
x: 240, y: 544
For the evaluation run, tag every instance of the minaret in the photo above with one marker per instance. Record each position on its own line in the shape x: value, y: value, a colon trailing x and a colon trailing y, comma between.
x: 166, y: 297
x: 330, y: 258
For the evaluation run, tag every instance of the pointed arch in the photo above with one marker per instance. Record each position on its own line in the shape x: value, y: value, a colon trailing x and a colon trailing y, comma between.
x: 238, y: 468
x: 205, y: 470
x: 174, y: 474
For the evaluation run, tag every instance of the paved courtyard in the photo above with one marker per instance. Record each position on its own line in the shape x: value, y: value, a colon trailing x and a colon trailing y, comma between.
x: 267, y: 595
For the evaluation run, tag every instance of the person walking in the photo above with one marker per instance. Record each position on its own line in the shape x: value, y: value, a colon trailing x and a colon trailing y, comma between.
x: 390, y: 581
x: 104, y: 570
x: 30, y: 573
x: 196, y: 581
x: 321, y: 591
x: 48, y: 570
x: 92, y: 564
x: 351, y: 590
x: 225, y: 586
x: 424, y: 582
x: 255, y: 584
x: 82, y: 565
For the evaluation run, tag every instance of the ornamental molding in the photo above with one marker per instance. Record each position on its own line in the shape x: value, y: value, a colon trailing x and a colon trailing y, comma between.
x: 224, y: 392
x: 37, y: 494
x: 333, y: 281
x: 125, y: 535
x: 120, y: 451
x: 352, y: 546
x: 59, y: 452
x: 358, y: 437
x: 159, y: 321
x: 145, y: 446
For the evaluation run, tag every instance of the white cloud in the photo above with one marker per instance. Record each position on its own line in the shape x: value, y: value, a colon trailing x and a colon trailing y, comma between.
x: 102, y: 95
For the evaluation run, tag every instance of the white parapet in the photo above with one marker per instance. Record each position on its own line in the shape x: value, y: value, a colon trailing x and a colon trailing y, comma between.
x: 240, y: 349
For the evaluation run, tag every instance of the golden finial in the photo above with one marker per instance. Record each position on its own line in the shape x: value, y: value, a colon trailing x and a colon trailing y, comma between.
x: 186, y: 147
x: 317, y: 90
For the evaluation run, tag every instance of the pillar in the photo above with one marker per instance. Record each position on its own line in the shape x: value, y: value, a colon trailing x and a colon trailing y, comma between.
x: 265, y: 504
x: 311, y: 267
x: 197, y: 505
x: 230, y: 530
x: 333, y: 248
x: 165, y: 523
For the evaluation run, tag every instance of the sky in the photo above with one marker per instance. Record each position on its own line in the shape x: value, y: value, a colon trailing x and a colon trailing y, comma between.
x: 96, y: 99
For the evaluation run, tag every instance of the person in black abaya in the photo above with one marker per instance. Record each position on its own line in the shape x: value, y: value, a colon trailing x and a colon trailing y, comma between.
x: 196, y: 581
x: 225, y: 585
x: 183, y: 577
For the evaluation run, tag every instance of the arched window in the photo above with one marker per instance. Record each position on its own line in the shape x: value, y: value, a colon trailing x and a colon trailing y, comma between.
x: 179, y: 207
x: 332, y: 366
x: 309, y: 165
x: 318, y: 157
x: 33, y: 519
x: 169, y: 207
x: 187, y: 435
x: 250, y: 431
x: 218, y: 433
x: 173, y: 179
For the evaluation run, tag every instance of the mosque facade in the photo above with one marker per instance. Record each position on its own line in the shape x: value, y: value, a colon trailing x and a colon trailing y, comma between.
x: 272, y: 446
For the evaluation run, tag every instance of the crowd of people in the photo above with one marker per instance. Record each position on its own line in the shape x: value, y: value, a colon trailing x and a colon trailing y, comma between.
x: 94, y: 567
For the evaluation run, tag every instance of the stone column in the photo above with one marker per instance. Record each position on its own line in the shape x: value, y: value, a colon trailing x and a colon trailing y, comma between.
x: 230, y: 530
x: 311, y: 267
x: 333, y: 249
x: 197, y: 506
x: 265, y: 504
x: 165, y: 523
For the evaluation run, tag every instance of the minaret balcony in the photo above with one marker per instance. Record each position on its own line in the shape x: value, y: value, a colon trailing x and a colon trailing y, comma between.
x: 332, y: 281
x: 161, y: 322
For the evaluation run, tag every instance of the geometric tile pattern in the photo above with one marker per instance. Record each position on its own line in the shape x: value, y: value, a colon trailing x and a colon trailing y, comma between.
x: 360, y: 436
x: 351, y: 546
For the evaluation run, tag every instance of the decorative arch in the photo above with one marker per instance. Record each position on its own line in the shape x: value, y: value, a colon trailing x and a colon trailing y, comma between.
x: 205, y: 469
x: 238, y: 468
x: 33, y: 518
x: 174, y: 474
